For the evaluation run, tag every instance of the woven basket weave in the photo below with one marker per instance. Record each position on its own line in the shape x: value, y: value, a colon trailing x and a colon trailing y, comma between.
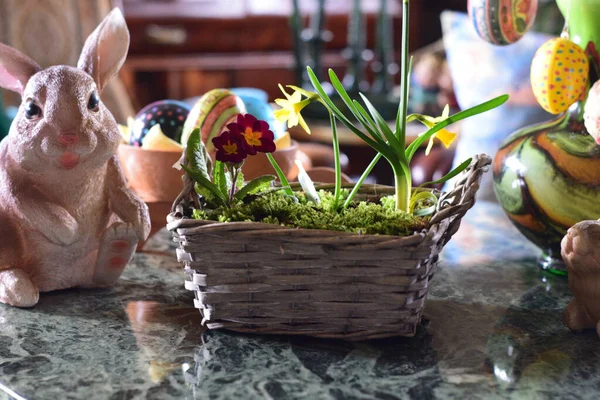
x: 264, y: 278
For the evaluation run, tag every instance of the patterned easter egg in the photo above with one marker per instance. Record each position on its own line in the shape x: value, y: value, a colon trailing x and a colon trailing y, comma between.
x: 169, y: 114
x: 502, y: 22
x: 559, y: 74
x: 211, y: 113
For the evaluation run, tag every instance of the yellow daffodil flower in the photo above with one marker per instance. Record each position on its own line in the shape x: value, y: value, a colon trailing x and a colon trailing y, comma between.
x: 444, y: 136
x: 292, y: 106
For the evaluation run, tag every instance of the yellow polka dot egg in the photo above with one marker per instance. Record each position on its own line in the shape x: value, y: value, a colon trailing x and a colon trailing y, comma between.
x: 559, y: 74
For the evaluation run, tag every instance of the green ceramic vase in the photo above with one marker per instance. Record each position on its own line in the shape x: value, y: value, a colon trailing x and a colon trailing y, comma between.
x: 547, y: 176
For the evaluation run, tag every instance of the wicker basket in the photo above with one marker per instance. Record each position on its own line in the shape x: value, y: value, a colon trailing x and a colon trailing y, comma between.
x: 263, y: 278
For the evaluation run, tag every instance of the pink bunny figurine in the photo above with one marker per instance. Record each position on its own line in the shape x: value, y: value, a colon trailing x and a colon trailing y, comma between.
x: 67, y: 217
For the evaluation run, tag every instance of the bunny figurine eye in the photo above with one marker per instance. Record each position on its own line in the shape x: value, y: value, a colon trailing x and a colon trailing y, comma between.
x: 94, y: 102
x: 32, y: 110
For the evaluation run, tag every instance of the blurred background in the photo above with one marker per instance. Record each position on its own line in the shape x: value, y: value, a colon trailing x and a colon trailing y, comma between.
x: 181, y: 49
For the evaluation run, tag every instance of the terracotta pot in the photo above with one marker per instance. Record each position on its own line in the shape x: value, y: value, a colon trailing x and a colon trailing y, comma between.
x: 150, y: 173
x: 259, y: 164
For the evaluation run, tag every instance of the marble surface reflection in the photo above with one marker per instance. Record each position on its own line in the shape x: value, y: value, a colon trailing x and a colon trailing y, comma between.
x: 493, y: 330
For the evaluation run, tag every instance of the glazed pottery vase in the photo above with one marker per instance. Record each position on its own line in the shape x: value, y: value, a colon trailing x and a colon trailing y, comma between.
x: 547, y: 176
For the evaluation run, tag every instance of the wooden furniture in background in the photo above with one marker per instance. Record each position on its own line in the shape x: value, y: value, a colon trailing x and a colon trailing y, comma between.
x: 183, y: 48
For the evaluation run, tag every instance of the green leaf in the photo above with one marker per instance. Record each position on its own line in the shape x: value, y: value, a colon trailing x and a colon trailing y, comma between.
x: 368, y: 125
x: 365, y: 115
x: 362, y: 178
x: 448, y: 176
x: 376, y: 142
x: 206, y: 184
x: 481, y: 108
x: 255, y: 186
x: 423, y: 211
x: 208, y: 196
x: 284, y: 182
x: 383, y: 126
x: 239, y: 183
x: 197, y: 155
x: 336, y: 157
x: 220, y: 179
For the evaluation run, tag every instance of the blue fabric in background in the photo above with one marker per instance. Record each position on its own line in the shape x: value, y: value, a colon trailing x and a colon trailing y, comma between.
x: 481, y: 71
x: 4, y: 120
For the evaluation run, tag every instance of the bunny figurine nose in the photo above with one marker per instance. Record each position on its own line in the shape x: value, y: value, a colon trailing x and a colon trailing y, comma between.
x: 68, y: 139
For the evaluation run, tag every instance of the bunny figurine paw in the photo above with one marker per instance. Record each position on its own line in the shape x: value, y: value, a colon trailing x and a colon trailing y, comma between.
x: 581, y: 253
x: 67, y: 217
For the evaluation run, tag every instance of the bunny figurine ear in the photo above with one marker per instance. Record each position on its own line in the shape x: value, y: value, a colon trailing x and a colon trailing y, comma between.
x: 105, y: 49
x: 15, y: 69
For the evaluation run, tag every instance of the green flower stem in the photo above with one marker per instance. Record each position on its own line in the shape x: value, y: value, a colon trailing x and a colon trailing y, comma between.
x: 404, y: 79
x: 338, y: 167
x: 234, y: 171
x: 403, y: 190
x: 280, y: 175
x: 361, y: 180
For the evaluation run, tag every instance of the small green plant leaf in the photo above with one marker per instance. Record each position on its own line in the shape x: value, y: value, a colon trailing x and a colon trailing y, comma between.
x: 383, y: 127
x: 423, y: 211
x: 255, y: 186
x: 368, y: 124
x: 376, y: 142
x: 197, y: 155
x: 206, y: 184
x: 365, y: 115
x: 239, y: 183
x: 281, y: 176
x: 362, y: 178
x: 207, y: 195
x: 448, y: 176
x: 220, y: 179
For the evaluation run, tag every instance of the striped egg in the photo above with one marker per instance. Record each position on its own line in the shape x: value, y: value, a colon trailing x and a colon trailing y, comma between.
x: 502, y: 22
x: 559, y: 74
x: 211, y: 114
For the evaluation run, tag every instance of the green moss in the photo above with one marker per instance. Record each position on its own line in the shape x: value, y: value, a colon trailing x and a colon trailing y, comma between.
x: 375, y: 216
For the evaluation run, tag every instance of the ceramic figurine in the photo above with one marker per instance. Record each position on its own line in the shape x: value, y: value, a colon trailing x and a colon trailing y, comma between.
x: 581, y: 253
x: 67, y: 218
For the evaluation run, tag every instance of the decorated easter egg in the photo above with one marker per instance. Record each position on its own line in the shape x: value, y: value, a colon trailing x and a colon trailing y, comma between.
x: 157, y: 140
x: 169, y: 114
x: 502, y: 22
x: 261, y: 110
x: 211, y: 114
x: 559, y: 74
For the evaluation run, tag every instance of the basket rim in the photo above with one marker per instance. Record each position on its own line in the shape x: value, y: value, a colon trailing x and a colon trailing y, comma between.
x: 176, y: 222
x: 452, y: 205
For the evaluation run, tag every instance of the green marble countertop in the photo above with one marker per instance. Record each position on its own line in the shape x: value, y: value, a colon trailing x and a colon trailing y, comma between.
x: 494, y: 333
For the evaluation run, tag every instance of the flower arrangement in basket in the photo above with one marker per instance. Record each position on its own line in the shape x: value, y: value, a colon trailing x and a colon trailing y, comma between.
x: 351, y: 262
